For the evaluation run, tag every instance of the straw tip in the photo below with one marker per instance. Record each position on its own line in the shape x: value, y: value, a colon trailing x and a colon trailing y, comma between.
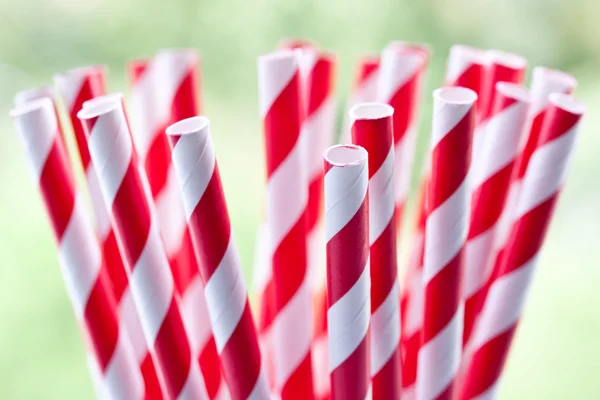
x: 344, y: 155
x: 567, y: 103
x: 555, y: 75
x: 514, y: 91
x: 188, y: 126
x: 371, y: 111
x: 37, y: 105
x: 104, y: 99
x: 95, y: 110
x: 283, y: 56
x: 509, y: 60
x: 455, y: 95
x: 28, y: 95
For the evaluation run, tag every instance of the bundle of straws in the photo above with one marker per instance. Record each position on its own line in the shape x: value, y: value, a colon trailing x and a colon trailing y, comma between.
x: 156, y: 281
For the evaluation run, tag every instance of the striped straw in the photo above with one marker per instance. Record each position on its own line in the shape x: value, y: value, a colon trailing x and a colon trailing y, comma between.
x: 348, y: 278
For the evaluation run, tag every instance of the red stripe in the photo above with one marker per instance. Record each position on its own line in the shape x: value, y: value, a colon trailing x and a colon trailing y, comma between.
x: 114, y: 265
x: 314, y: 208
x: 157, y: 162
x: 367, y: 67
x: 58, y: 187
x: 101, y: 319
x: 186, y: 102
x: 184, y: 265
x: 375, y: 135
x: 210, y: 225
x: 442, y: 297
x: 320, y: 308
x: 153, y: 388
x: 488, y: 201
x: 210, y: 366
x: 351, y: 380
x: 384, y: 271
x: 411, y: 346
x: 173, y: 350
x: 321, y: 82
x: 472, y: 78
x: 386, y: 384
x: 530, y: 146
x: 347, y: 254
x: 486, y: 365
x: 557, y: 122
x: 450, y: 161
x: 498, y: 73
x: 131, y: 215
x: 299, y: 385
x: 267, y: 307
x: 136, y: 69
x: 283, y: 117
x: 242, y: 376
x: 404, y: 102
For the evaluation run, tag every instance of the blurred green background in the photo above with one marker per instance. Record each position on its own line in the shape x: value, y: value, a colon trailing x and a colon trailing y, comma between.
x: 556, y: 354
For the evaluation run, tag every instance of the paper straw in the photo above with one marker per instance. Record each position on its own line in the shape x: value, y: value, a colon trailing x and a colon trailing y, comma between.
x: 506, y: 298
x: 136, y: 228
x: 467, y: 68
x: 206, y: 212
x: 165, y: 92
x: 445, y: 236
x: 490, y: 185
x: 76, y: 87
x: 364, y: 90
x: 285, y: 205
x: 399, y: 85
x: 348, y: 278
x: 82, y: 266
x: 373, y: 130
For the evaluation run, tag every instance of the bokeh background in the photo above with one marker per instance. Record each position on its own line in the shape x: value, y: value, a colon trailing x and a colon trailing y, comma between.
x: 556, y: 354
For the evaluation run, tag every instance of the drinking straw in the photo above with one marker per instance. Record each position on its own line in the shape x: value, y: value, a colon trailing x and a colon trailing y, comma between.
x: 467, y: 68
x: 373, y: 130
x: 541, y: 185
x: 137, y: 230
x: 220, y: 268
x: 285, y: 225
x: 165, y: 92
x: 348, y: 278
x: 447, y: 204
x: 82, y: 266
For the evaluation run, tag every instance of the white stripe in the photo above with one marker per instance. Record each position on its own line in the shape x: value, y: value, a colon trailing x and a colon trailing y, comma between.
x: 546, y: 171
x: 195, y: 315
x: 226, y: 295
x: 503, y: 133
x: 152, y: 284
x: 261, y: 387
x: 320, y: 364
x: 223, y: 392
x: 38, y: 130
x: 101, y: 212
x: 95, y: 374
x: 476, y: 265
x: 408, y: 393
x: 110, y: 150
x: 275, y: 71
x: 152, y: 96
x: 504, y: 225
x: 261, y: 271
x: 480, y: 132
x: 381, y: 198
x: 318, y: 130
x: 369, y: 395
x: 365, y: 92
x: 413, y: 320
x: 292, y: 334
x: 348, y: 320
x: 396, y: 69
x: 315, y: 253
x: 123, y: 378
x: 385, y: 330
x: 504, y: 303
x: 69, y: 85
x: 80, y: 258
x: 446, y: 231
x: 130, y: 318
x: 194, y: 162
x: 439, y: 359
x: 490, y: 394
x: 285, y: 199
x: 404, y: 159
x: 194, y: 387
x: 170, y: 214
x: 345, y: 191
x: 445, y: 117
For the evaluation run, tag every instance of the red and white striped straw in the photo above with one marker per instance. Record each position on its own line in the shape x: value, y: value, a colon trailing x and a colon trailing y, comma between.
x: 152, y: 285
x: 399, y: 85
x: 220, y: 268
x: 490, y: 183
x: 82, y: 265
x: 445, y: 237
x: 544, y: 83
x: 76, y: 87
x: 364, y: 90
x: 165, y: 92
x: 285, y: 225
x: 500, y: 67
x: 348, y: 277
x: 373, y: 130
x: 317, y: 133
x: 506, y: 298
x: 467, y: 68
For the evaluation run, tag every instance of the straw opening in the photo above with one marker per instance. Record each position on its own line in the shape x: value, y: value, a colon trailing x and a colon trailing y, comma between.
x: 371, y: 111
x: 188, y: 125
x: 513, y: 91
x: 556, y: 75
x: 34, y: 105
x: 278, y: 56
x: 455, y: 95
x: 345, y: 154
x: 567, y: 103
x: 510, y: 60
x: 105, y: 99
x: 97, y: 109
